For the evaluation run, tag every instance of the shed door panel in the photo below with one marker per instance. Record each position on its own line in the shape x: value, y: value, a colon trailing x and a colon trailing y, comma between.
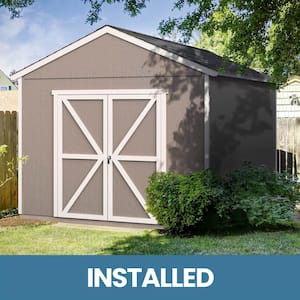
x: 81, y: 155
x: 106, y: 147
x: 134, y: 144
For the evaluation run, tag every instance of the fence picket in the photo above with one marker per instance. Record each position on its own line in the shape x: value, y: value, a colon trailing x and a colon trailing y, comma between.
x: 8, y: 136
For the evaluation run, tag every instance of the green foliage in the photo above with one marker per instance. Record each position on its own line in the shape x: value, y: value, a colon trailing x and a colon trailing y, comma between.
x: 263, y: 33
x: 8, y: 213
x: 179, y: 202
x: 133, y: 7
x: 3, y: 150
x: 9, y: 166
x: 15, y: 6
x: 267, y: 211
x: 250, y: 196
x: 218, y: 41
x: 266, y: 198
x: 261, y: 181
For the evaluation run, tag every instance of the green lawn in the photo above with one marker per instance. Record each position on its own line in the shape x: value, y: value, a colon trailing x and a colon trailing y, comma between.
x: 49, y: 239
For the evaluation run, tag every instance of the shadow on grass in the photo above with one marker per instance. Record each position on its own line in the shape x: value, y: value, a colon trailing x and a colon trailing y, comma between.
x: 207, y: 242
x: 146, y: 244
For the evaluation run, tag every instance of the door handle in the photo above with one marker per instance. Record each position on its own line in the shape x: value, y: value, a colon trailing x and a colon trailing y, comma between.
x: 108, y: 159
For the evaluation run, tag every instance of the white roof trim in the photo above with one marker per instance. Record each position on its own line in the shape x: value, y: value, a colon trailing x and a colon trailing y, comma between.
x: 124, y: 36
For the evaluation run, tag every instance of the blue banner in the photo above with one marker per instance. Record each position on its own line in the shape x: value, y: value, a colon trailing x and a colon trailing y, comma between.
x: 149, y: 277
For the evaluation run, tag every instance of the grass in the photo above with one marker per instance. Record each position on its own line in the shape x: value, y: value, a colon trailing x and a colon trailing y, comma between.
x: 49, y: 239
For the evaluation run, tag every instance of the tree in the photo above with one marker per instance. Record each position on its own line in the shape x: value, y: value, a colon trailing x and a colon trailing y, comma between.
x: 263, y: 31
x: 266, y: 31
x: 219, y: 42
x: 270, y: 28
x: 15, y: 6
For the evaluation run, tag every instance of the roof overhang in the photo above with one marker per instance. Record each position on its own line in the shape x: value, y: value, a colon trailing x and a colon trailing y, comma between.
x: 292, y: 79
x: 119, y: 34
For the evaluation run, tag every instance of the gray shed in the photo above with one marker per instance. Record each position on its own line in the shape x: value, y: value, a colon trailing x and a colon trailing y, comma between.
x: 100, y: 115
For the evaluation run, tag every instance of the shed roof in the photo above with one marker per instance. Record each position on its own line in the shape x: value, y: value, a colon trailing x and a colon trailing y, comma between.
x: 198, y: 59
x: 200, y: 56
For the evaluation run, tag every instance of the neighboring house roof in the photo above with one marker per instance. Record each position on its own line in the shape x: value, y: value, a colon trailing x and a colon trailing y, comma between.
x: 294, y: 78
x: 288, y: 98
x: 6, y: 82
x: 195, y: 58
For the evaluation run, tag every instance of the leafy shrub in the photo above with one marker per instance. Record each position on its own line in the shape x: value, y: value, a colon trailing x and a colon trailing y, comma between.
x: 267, y: 198
x: 249, y: 196
x: 9, y: 166
x: 266, y: 211
x: 10, y: 212
x: 179, y: 202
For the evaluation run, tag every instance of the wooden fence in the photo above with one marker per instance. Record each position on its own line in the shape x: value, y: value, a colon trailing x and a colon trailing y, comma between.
x: 8, y: 136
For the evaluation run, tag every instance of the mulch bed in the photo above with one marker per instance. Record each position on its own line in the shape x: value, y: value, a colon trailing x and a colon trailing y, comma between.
x: 17, y: 221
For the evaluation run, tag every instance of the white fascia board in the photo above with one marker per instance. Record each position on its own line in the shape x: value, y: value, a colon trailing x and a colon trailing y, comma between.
x: 118, y: 34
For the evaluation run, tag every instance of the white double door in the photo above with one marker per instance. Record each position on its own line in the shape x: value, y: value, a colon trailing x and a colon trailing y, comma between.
x: 106, y: 145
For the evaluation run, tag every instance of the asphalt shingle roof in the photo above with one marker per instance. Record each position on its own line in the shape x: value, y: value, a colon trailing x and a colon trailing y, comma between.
x: 200, y: 56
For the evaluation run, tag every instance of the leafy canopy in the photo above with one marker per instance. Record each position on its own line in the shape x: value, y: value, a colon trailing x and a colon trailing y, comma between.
x: 15, y: 6
x: 219, y: 41
x: 265, y: 31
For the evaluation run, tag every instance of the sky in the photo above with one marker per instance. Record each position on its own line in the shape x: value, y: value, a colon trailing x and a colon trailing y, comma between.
x: 48, y: 25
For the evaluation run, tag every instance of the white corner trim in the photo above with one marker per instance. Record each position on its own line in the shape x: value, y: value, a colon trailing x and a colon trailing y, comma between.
x: 206, y: 122
x: 55, y: 155
x: 119, y: 34
x: 20, y: 195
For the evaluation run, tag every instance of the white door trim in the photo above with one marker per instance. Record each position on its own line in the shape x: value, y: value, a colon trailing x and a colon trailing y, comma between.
x: 77, y: 94
x: 59, y: 156
x: 61, y: 97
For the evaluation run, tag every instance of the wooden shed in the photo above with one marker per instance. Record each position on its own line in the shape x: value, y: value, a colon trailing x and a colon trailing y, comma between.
x: 100, y: 115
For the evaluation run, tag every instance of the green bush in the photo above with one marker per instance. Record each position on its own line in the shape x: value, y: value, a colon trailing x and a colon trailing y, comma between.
x: 179, y: 202
x: 267, y: 211
x: 250, y: 196
x: 267, y: 198
x: 10, y: 212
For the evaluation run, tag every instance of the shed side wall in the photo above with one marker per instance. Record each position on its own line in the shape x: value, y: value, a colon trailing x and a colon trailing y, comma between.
x: 242, y: 123
x: 107, y: 63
